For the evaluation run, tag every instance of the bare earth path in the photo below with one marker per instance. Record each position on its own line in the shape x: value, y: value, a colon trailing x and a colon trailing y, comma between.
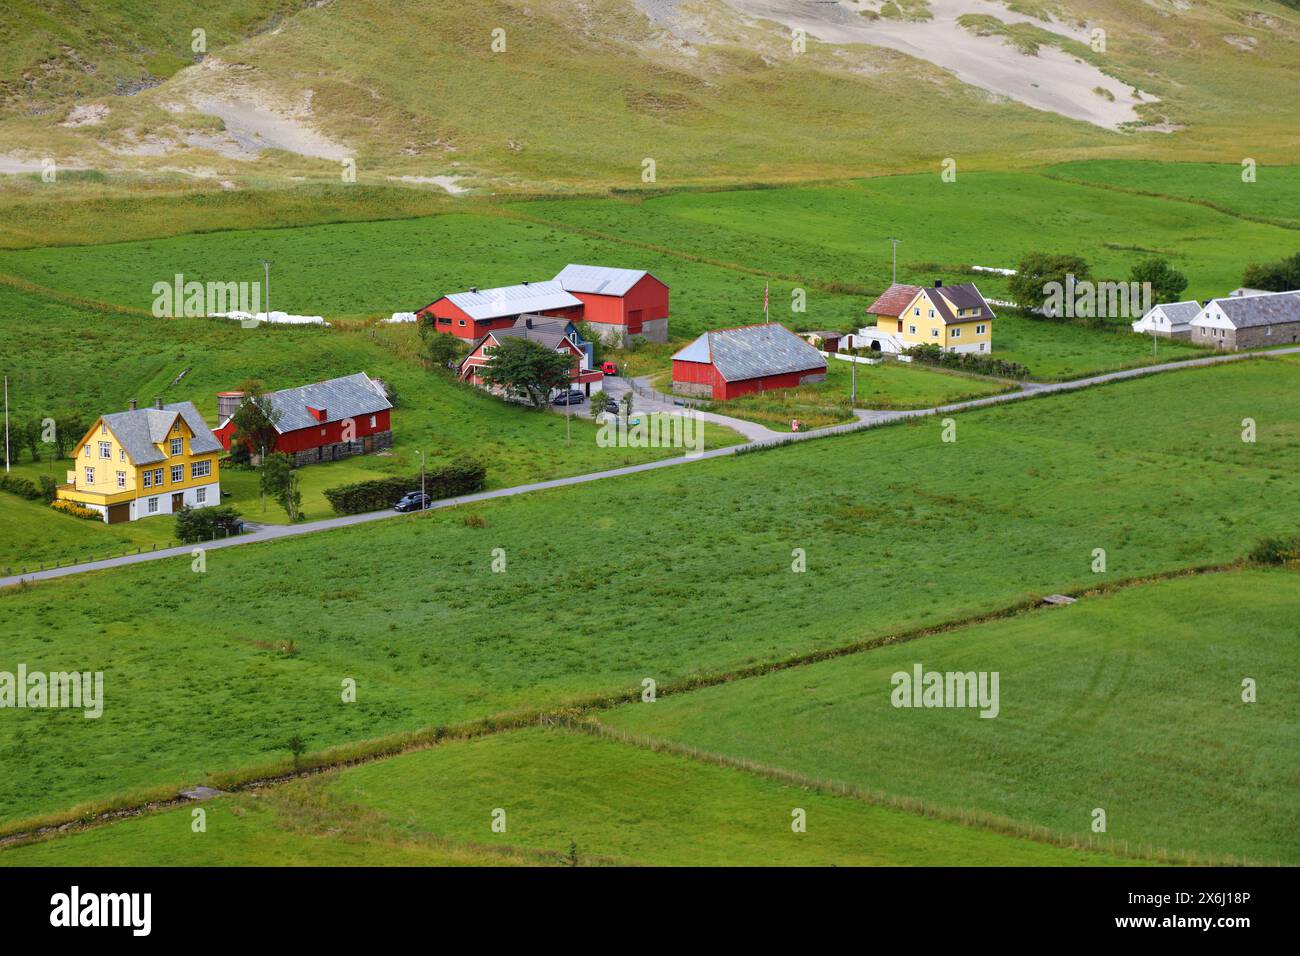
x: 759, y: 436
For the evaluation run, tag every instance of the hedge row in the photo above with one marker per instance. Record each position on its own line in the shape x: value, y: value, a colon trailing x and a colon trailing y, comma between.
x: 448, y: 481
x: 23, y: 487
x: 204, y: 524
x: 930, y: 354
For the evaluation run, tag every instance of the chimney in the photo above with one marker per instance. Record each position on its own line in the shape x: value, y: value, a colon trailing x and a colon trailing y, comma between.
x: 133, y: 404
x: 473, y: 288
x: 157, y: 401
x: 525, y: 282
x: 938, y: 283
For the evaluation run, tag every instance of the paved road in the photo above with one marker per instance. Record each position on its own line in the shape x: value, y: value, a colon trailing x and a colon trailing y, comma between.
x: 866, y: 419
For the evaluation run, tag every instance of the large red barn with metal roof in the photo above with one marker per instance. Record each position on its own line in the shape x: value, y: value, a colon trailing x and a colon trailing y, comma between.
x: 728, y: 363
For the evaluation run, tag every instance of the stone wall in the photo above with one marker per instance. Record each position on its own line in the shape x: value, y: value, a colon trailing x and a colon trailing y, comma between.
x: 344, y: 449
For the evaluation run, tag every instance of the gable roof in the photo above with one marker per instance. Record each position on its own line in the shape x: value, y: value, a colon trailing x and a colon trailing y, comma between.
x: 599, y: 280
x: 894, y: 300
x: 752, y: 351
x: 1252, y: 311
x: 963, y: 296
x: 552, y: 335
x: 348, y: 397
x: 139, y: 430
x: 509, y: 300
x: 1178, y: 313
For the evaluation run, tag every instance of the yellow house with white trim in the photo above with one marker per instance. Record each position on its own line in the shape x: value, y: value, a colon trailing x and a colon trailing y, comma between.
x: 956, y: 318
x: 145, y: 462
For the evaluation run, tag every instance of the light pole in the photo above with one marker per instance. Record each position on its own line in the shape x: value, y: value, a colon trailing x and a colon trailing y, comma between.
x: 423, y: 503
x: 895, y: 242
x: 266, y: 268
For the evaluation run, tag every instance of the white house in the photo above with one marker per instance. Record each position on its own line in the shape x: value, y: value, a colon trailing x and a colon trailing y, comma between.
x: 1172, y: 319
x: 1249, y: 322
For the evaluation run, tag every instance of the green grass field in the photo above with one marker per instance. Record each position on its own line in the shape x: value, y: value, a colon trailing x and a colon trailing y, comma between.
x: 610, y: 802
x: 1013, y: 509
x: 1130, y: 702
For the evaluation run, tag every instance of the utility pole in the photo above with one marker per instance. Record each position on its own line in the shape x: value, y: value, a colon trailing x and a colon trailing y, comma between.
x: 423, y: 504
x: 6, y: 424
x: 266, y: 267
x: 895, y: 243
x: 853, y: 395
x: 1153, y: 343
x: 261, y: 463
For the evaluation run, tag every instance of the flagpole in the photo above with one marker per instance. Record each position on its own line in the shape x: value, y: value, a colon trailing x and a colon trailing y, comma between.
x: 6, y: 424
x: 765, y: 288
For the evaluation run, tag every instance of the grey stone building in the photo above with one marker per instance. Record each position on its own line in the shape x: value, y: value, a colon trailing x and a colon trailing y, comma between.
x: 1249, y: 321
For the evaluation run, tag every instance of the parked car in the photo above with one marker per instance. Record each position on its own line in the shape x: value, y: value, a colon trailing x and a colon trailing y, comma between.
x: 413, y: 501
x: 609, y: 368
x: 569, y: 398
x: 612, y: 405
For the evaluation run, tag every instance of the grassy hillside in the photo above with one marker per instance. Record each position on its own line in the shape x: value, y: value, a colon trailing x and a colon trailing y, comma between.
x: 899, y: 529
x: 1130, y: 702
x: 569, y: 800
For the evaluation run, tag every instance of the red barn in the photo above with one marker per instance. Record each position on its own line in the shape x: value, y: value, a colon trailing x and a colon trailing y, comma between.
x: 620, y: 303
x: 471, y: 315
x: 754, y: 358
x: 323, y: 421
x: 553, y: 335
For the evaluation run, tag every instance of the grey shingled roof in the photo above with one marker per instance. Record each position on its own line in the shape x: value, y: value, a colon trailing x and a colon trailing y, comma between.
x: 1251, y: 311
x: 348, y: 397
x: 141, y: 429
x: 1179, y: 313
x: 753, y: 351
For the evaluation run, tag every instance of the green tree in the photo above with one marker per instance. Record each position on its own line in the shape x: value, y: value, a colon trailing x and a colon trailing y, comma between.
x: 67, y: 430
x: 1167, y: 283
x: 1281, y: 276
x: 1036, y: 270
x: 280, y: 481
x: 591, y: 333
x: 255, y: 418
x: 31, y: 437
x: 525, y: 366
x: 442, y: 350
x: 296, y: 746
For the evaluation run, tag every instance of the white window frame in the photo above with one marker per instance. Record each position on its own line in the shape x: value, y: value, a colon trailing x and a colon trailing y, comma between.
x: 934, y: 333
x: 373, y: 422
x: 956, y: 333
x: 106, y: 450
x: 121, y: 479
x: 201, y: 468
x: 981, y: 329
x: 201, y: 495
x: 152, y: 507
x: 178, y: 446
x: 147, y: 478
x: 911, y: 329
x: 90, y: 474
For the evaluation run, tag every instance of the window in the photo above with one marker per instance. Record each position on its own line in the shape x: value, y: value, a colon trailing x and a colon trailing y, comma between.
x: 934, y: 333
x: 87, y: 449
x: 121, y: 454
x: 981, y: 346
x: 462, y: 321
x: 916, y: 311
x: 106, y: 450
x: 201, y: 469
x: 153, y: 506
x: 148, y: 478
x: 178, y: 446
x: 178, y: 474
x: 201, y: 495
x: 956, y: 333
x: 981, y: 329
x: 373, y: 424
x: 90, y: 475
x: 442, y: 321
x: 121, y: 479
x: 912, y: 329
x: 931, y: 315
x: 103, y: 429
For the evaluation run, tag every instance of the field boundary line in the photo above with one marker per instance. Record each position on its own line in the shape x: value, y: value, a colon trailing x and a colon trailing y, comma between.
x: 354, y: 753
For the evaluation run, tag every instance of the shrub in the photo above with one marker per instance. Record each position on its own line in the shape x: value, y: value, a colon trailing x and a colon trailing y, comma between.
x: 1276, y: 551
x: 17, y: 485
x: 204, y: 524
x: 74, y: 509
x: 929, y: 354
x: 456, y: 478
x: 49, y: 488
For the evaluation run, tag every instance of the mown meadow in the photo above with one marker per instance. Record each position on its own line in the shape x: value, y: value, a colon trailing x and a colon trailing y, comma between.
x: 1130, y: 702
x: 568, y: 799
x: 645, y: 576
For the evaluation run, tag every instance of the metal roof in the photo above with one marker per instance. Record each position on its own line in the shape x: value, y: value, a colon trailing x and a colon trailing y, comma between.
x: 599, y: 280
x: 513, y: 300
x: 348, y: 397
x: 140, y: 430
x: 1252, y: 311
x: 753, y: 351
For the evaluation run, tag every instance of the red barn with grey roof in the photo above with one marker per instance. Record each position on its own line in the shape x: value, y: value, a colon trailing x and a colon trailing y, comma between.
x: 728, y: 363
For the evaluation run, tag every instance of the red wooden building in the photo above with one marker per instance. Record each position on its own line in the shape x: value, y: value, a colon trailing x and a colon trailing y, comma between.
x: 620, y: 303
x: 728, y: 363
x: 471, y: 315
x: 554, y: 335
x: 323, y: 421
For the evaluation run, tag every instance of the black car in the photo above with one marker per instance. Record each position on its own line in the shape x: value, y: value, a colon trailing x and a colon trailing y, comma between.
x: 413, y: 501
x: 611, y: 405
x: 569, y: 398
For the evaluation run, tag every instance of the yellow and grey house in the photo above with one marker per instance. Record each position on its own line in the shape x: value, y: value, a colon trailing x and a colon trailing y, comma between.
x: 145, y: 462
x: 956, y: 318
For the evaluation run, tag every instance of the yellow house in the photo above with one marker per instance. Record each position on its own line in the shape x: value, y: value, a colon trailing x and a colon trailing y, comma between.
x: 956, y: 318
x: 145, y: 462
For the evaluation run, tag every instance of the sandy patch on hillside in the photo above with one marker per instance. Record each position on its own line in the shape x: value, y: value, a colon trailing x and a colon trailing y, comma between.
x: 11, y: 165
x: 1053, y: 80
x: 86, y: 114
x: 253, y: 125
x: 450, y: 183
